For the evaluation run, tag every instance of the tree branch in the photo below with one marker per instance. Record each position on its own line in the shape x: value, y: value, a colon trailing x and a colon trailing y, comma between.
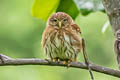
x: 7, y: 61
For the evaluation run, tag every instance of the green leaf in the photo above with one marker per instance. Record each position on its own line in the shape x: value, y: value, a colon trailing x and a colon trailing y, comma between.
x: 69, y: 7
x: 44, y: 8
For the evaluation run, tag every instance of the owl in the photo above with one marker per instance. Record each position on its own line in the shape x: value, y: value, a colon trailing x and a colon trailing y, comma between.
x: 62, y: 40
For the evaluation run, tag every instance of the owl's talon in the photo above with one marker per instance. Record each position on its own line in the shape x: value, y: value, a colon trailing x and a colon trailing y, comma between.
x: 64, y: 62
x: 54, y: 60
x: 58, y: 60
x: 68, y: 63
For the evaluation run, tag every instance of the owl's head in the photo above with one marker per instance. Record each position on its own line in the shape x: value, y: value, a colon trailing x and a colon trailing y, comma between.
x: 60, y: 20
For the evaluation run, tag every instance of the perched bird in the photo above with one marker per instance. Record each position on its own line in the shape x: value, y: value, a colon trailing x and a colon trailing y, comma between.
x: 62, y: 40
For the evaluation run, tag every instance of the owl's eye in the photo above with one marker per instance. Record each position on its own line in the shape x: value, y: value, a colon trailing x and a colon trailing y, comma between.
x: 54, y: 20
x: 65, y: 20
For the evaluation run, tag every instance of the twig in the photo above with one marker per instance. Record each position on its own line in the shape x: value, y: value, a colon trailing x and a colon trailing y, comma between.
x: 7, y: 61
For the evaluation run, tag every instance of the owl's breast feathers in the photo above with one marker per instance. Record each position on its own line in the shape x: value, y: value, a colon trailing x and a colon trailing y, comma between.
x: 71, y: 35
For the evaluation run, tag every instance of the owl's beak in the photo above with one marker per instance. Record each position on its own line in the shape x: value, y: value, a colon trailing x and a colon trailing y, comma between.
x: 60, y: 24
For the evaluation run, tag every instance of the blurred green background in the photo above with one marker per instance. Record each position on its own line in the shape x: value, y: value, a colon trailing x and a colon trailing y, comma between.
x: 20, y: 37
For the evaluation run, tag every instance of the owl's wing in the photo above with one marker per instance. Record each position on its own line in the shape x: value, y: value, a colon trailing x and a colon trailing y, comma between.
x: 76, y: 28
x: 46, y: 34
x: 77, y: 38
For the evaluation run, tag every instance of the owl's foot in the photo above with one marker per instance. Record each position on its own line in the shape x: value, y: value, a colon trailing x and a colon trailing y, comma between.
x: 67, y: 62
x: 64, y: 62
x: 56, y: 60
x: 53, y: 60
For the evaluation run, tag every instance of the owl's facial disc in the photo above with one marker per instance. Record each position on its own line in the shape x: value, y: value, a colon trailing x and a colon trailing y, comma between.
x: 60, y: 20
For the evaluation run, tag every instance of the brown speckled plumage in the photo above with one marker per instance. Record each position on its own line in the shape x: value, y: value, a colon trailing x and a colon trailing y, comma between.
x: 64, y: 42
x: 62, y: 39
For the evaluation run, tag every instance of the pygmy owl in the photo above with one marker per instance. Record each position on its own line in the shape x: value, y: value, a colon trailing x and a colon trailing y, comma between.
x: 62, y: 39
